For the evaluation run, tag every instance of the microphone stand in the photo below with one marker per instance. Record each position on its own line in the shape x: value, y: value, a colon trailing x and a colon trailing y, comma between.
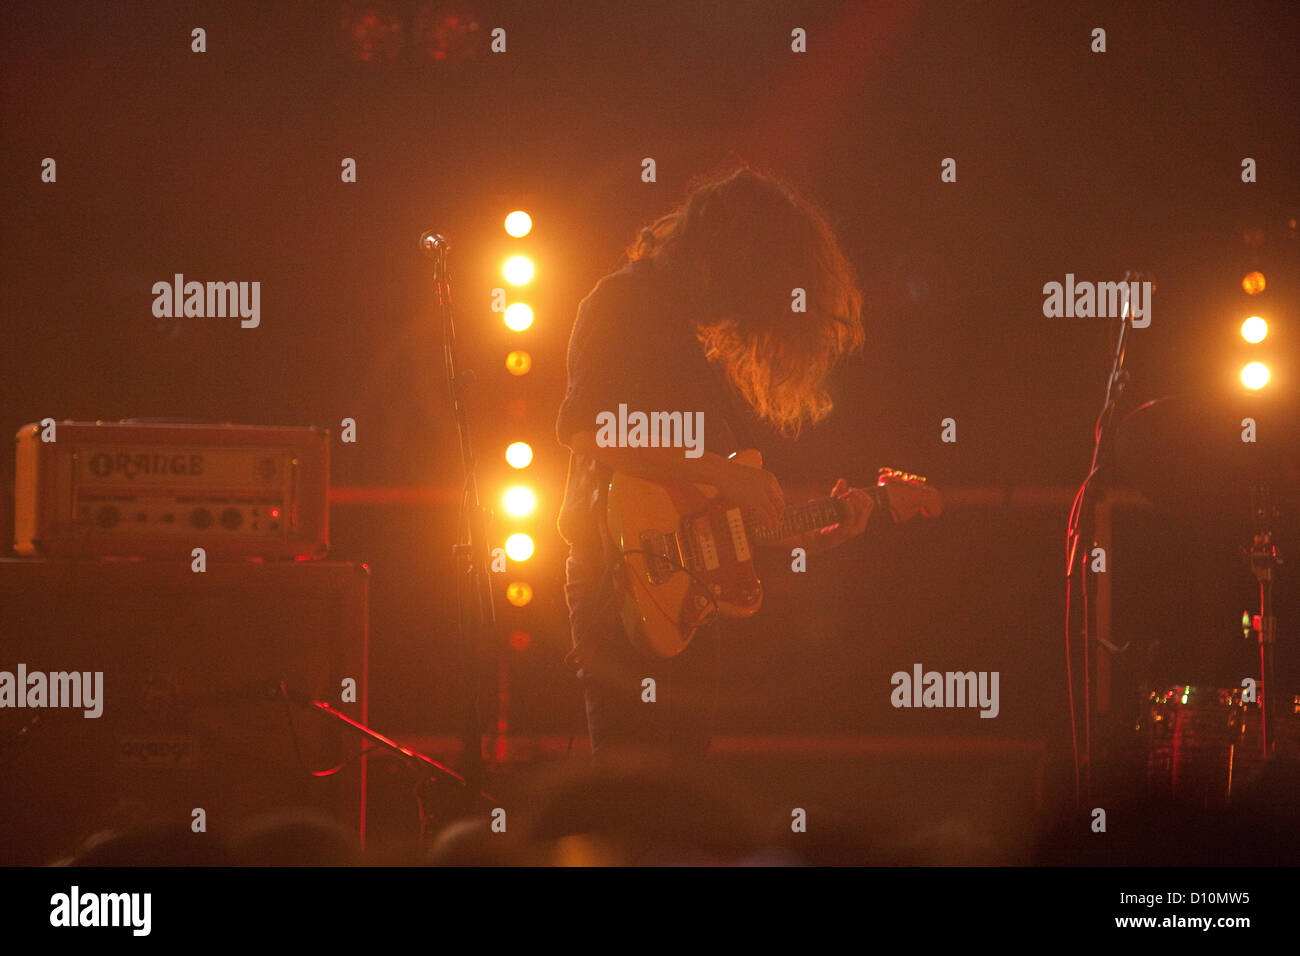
x: 475, y: 617
x: 1104, y: 437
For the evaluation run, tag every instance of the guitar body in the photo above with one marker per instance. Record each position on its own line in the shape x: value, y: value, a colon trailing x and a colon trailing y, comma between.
x: 687, y: 553
x: 683, y: 526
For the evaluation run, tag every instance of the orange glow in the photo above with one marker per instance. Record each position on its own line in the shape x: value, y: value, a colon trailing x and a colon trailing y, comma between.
x: 519, y: 593
x: 1254, y: 329
x: 1253, y: 283
x: 520, y: 501
x: 518, y: 270
x: 518, y: 317
x: 518, y: 362
x: 519, y: 547
x: 1255, y: 375
x: 519, y: 454
x: 519, y: 223
x: 520, y: 640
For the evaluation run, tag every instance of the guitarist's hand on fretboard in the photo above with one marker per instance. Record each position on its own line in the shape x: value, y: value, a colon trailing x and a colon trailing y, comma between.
x: 856, y: 504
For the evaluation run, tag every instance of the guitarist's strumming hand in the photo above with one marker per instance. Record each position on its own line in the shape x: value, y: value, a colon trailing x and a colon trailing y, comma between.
x: 753, y: 489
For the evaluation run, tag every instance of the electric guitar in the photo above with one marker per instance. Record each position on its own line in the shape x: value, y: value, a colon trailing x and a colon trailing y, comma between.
x: 687, y: 554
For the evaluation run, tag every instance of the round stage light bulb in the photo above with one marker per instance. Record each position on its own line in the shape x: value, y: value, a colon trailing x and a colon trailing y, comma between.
x: 518, y: 269
x: 519, y: 593
x: 520, y: 501
x: 1254, y: 329
x: 519, y: 223
x: 518, y: 317
x: 519, y: 362
x: 1255, y: 375
x: 1253, y: 283
x: 519, y: 547
x: 519, y: 454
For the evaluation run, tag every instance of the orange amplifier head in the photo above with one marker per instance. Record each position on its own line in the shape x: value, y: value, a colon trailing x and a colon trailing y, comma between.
x: 152, y: 490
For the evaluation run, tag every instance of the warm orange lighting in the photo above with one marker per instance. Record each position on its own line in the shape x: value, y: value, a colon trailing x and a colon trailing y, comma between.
x: 518, y: 270
x: 519, y: 223
x: 519, y: 593
x: 519, y: 454
x: 1253, y: 283
x: 520, y: 640
x: 518, y: 362
x: 520, y: 501
x: 1254, y: 329
x: 1255, y: 375
x: 518, y: 317
x: 519, y: 547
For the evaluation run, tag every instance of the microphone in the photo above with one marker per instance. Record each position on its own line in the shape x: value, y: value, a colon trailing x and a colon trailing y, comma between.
x: 432, y: 243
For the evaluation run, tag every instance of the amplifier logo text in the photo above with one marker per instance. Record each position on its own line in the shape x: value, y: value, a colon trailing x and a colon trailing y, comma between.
x: 215, y: 300
x: 57, y: 689
x: 129, y: 465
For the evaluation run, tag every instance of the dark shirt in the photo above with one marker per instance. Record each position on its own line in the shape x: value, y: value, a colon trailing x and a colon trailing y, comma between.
x: 633, y: 343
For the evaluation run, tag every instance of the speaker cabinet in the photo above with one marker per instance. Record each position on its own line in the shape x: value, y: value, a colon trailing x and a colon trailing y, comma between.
x: 191, y: 720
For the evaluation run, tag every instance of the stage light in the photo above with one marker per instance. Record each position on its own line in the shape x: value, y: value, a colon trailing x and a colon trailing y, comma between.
x: 519, y: 362
x: 518, y: 270
x: 371, y: 35
x: 518, y: 317
x: 519, y: 593
x: 1253, y: 283
x: 519, y: 454
x: 445, y: 35
x: 1254, y: 329
x: 519, y: 547
x: 1255, y: 375
x: 519, y: 223
x: 520, y: 501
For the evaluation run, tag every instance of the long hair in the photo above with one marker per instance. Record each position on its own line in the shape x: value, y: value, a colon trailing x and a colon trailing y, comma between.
x: 741, y: 243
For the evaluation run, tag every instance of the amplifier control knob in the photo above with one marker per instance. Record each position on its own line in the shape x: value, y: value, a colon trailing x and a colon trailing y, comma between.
x: 231, y: 519
x: 201, y: 518
x: 107, y: 516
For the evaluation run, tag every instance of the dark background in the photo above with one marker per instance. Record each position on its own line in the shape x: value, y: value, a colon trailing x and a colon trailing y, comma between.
x: 225, y: 166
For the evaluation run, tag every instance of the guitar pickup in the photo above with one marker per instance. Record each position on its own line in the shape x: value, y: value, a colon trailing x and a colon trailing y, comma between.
x: 739, y: 540
x: 707, y: 547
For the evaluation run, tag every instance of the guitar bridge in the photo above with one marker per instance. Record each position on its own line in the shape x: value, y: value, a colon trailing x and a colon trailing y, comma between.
x: 663, y: 555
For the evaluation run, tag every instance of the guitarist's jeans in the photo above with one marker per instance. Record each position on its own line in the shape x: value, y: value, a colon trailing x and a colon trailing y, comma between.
x: 619, y: 717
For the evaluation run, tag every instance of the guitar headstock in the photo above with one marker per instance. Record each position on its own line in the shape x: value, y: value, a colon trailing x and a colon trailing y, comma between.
x: 909, y: 495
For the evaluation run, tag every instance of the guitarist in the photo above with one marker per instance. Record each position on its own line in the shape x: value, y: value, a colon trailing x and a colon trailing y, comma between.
x: 699, y: 320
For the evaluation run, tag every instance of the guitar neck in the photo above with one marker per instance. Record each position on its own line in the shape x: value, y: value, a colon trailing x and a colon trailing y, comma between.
x: 809, y: 516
